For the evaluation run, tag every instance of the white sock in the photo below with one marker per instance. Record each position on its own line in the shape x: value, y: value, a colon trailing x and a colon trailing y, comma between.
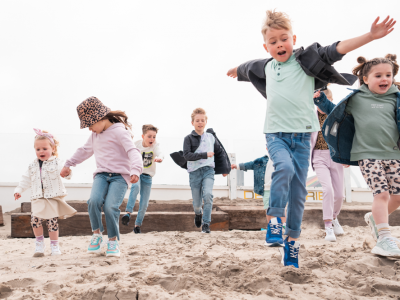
x: 383, y: 230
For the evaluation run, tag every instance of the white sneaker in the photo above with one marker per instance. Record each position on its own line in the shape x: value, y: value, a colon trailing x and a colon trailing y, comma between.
x: 369, y: 219
x: 55, y: 249
x: 337, y: 229
x: 329, y: 234
x: 387, y: 247
x: 39, y: 250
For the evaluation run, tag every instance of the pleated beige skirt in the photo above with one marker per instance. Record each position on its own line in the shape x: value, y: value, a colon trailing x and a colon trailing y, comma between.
x: 48, y: 208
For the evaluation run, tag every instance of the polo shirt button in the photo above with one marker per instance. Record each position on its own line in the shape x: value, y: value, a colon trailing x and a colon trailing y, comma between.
x: 279, y: 74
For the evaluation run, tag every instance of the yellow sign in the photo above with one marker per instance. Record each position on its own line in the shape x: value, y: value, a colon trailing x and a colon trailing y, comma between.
x: 311, y: 196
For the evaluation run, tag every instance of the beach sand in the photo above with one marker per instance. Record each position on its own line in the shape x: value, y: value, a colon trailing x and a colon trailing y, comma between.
x: 191, y: 265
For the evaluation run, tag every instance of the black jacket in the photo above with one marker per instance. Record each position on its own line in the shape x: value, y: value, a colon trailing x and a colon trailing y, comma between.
x: 316, y: 61
x: 190, y: 145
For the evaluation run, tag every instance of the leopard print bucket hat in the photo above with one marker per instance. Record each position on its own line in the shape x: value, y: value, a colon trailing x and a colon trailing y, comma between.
x: 91, y: 111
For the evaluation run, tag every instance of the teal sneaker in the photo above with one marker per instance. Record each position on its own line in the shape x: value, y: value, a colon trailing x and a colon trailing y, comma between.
x: 387, y: 247
x: 113, y: 249
x: 369, y: 219
x: 95, y: 244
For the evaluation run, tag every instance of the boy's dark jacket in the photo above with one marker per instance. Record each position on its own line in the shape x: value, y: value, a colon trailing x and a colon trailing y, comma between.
x: 190, y: 145
x: 316, y: 61
x: 338, y: 129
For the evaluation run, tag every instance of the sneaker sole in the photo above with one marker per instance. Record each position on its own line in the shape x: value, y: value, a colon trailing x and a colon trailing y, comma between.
x: 94, y: 251
x: 275, y: 244
x: 381, y: 252
x: 371, y: 226
x: 38, y: 254
x: 330, y: 240
x: 113, y: 255
x: 55, y: 254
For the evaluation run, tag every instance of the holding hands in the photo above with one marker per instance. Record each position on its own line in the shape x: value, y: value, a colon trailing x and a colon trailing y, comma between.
x: 65, y: 172
x: 134, y: 179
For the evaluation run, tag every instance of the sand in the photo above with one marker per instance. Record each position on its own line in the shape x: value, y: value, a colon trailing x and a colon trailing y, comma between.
x: 191, y: 265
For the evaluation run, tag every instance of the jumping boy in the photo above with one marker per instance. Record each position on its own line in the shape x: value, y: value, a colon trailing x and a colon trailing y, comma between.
x: 289, y: 79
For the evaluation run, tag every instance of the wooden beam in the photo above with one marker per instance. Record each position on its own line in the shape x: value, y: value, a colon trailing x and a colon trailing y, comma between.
x: 79, y: 224
x: 82, y: 206
x: 1, y: 217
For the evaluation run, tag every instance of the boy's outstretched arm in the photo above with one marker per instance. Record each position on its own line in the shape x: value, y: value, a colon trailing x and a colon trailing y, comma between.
x: 377, y: 31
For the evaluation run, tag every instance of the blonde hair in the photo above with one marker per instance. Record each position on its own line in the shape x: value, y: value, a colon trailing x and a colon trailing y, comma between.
x: 198, y: 111
x: 328, y: 93
x: 148, y: 127
x: 365, y: 66
x: 56, y: 142
x: 276, y: 20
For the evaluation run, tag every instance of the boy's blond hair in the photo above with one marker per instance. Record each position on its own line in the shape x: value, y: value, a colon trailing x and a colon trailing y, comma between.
x: 276, y: 20
x: 148, y: 127
x: 198, y: 111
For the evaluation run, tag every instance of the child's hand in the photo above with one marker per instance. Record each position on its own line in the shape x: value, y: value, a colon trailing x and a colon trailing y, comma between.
x: 210, y: 154
x: 224, y: 175
x: 134, y: 178
x: 346, y: 166
x: 233, y: 166
x: 232, y: 72
x: 317, y: 94
x: 65, y: 172
x: 381, y: 30
x: 17, y: 196
x: 159, y: 160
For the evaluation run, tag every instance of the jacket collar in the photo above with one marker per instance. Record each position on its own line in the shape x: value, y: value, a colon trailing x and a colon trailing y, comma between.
x: 209, y: 130
x: 50, y: 159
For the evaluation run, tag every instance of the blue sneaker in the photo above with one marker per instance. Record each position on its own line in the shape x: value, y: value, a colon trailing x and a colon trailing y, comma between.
x: 274, y: 233
x: 291, y: 253
x: 95, y: 244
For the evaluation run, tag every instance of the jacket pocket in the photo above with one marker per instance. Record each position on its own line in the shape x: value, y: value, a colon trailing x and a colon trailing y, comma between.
x: 32, y: 173
x: 53, y: 174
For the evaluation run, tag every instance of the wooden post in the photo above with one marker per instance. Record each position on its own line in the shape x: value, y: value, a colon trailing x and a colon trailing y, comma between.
x: 232, y: 183
x: 347, y: 184
x: 1, y: 217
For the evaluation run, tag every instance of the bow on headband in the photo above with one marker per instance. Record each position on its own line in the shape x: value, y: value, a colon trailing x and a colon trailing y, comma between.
x: 47, y: 135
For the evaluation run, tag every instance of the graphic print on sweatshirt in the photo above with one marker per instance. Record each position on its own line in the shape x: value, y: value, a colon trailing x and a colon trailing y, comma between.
x: 147, y: 159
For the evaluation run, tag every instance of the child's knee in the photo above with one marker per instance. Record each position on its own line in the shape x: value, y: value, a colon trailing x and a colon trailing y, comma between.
x: 208, y: 198
x: 287, y: 168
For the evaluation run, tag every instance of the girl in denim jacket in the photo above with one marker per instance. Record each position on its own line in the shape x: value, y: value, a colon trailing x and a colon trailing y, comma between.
x: 368, y: 120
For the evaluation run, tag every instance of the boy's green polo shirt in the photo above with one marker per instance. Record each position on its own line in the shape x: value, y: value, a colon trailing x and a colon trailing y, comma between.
x: 376, y: 132
x: 290, y: 104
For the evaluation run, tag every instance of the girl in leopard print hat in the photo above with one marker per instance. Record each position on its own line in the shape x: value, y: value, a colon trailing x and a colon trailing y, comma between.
x: 118, y: 162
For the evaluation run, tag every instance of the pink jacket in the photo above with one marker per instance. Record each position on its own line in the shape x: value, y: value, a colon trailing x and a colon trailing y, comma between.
x: 114, y: 152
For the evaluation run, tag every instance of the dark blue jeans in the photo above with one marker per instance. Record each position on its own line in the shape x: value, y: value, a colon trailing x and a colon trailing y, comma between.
x: 290, y: 153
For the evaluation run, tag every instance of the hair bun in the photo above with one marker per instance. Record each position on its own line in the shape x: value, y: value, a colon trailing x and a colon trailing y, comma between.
x: 361, y: 60
x: 392, y: 57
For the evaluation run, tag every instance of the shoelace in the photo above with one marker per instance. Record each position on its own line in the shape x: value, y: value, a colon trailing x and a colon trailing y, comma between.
x: 54, y: 247
x: 94, y: 240
x: 294, y: 251
x: 112, y: 245
x: 276, y: 228
x: 392, y: 241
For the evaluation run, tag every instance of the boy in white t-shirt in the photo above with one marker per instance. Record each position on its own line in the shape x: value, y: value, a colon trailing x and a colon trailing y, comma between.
x: 151, y: 153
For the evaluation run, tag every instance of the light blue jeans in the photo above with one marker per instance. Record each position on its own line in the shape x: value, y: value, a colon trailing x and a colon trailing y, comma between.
x: 108, y: 192
x: 202, y: 183
x: 144, y: 187
x: 290, y: 153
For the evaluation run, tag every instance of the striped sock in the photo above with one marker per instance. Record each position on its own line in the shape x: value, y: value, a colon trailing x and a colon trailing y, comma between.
x: 383, y: 230
x: 328, y: 224
x: 40, y: 238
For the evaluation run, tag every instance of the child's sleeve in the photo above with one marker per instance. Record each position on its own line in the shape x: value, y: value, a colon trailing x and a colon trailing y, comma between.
x: 24, y: 183
x: 81, y: 154
x: 324, y: 104
x: 158, y: 152
x: 246, y: 166
x: 329, y: 54
x: 254, y: 71
x: 133, y: 153
x: 190, y: 156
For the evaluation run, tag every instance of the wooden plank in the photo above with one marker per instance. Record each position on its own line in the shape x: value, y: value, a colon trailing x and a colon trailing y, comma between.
x: 153, y: 207
x: 1, y: 217
x: 79, y: 224
x: 245, y: 217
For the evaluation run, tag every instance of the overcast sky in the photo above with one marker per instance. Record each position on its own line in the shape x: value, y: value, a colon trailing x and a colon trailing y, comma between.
x: 156, y: 60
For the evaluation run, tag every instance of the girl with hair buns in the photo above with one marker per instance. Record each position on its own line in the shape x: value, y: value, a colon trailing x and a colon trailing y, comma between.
x: 118, y: 165
x: 47, y: 191
x: 364, y: 130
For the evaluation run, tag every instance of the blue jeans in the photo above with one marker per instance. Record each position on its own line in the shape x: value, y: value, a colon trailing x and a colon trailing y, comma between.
x: 108, y: 192
x: 144, y: 187
x: 201, y: 183
x: 290, y: 153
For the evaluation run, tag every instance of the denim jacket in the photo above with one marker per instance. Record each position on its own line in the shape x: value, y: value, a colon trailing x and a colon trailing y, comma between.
x: 259, y: 166
x: 316, y: 61
x: 338, y: 129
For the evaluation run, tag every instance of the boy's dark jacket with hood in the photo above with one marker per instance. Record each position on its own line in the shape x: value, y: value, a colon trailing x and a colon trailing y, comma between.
x: 190, y: 145
x: 338, y: 129
x: 316, y: 61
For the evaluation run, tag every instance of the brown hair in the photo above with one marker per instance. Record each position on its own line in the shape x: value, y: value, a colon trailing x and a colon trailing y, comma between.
x: 148, y: 127
x: 276, y: 20
x: 118, y: 116
x: 56, y: 142
x: 365, y: 66
x: 198, y: 111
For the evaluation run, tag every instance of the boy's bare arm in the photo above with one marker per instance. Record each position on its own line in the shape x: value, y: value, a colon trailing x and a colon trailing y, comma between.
x: 377, y: 31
